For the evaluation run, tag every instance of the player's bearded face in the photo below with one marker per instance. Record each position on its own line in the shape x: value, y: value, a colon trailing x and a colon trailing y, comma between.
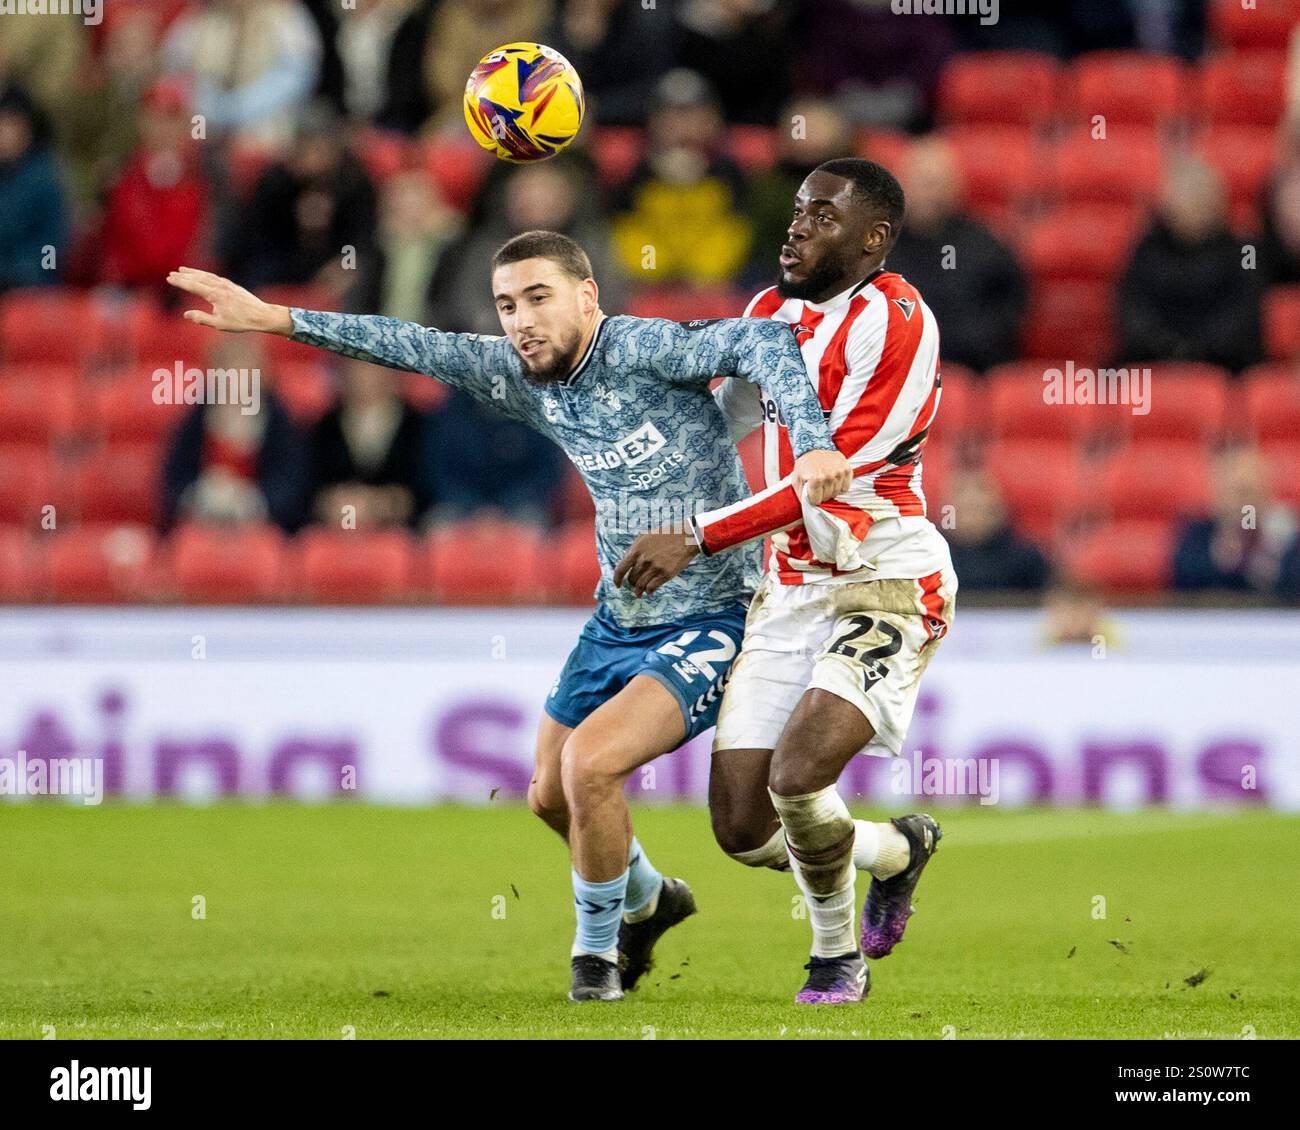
x: 553, y: 359
x: 541, y: 312
x: 819, y: 270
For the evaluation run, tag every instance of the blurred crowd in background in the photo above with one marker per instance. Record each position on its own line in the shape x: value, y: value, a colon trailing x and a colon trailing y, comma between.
x: 1113, y: 182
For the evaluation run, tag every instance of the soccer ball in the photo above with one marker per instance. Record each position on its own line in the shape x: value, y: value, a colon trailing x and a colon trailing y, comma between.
x: 524, y: 102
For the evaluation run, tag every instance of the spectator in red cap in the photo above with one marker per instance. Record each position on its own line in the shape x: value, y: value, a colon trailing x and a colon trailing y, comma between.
x: 158, y: 207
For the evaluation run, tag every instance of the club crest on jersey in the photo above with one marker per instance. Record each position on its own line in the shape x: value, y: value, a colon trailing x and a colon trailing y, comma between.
x: 907, y: 306
x: 607, y: 397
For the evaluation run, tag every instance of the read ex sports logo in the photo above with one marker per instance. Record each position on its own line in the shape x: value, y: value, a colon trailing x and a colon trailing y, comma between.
x: 630, y: 451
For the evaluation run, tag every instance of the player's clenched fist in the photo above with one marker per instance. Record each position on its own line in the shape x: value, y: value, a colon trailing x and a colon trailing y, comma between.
x: 234, y: 309
x: 824, y: 473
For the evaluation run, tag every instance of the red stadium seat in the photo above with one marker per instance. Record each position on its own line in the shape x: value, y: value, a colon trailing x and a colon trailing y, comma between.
x: 160, y: 338
x: 356, y: 566
x: 245, y: 163
x: 681, y: 304
x: 576, y: 565
x: 487, y: 562
x: 753, y: 148
x: 1015, y: 405
x: 423, y: 392
x: 17, y: 575
x: 305, y: 389
x: 99, y: 563
x: 885, y: 146
x: 1266, y: 23
x: 383, y: 154
x: 1283, y: 459
x: 1282, y: 322
x: 1041, y: 480
x: 1070, y: 318
x: 1125, y: 557
x: 937, y: 467
x: 1126, y: 87
x: 122, y: 408
x: 997, y: 163
x: 616, y: 151
x: 1243, y: 88
x: 1155, y: 481
x: 33, y: 411
x: 958, y: 411
x: 1126, y: 166
x: 227, y: 564
x: 1272, y: 402
x: 67, y: 376
x: 999, y: 87
x: 575, y: 499
x: 1243, y: 156
x: 1091, y: 241
x: 459, y: 166
x: 1189, y: 401
x: 47, y: 325
x: 119, y: 483
x: 26, y: 484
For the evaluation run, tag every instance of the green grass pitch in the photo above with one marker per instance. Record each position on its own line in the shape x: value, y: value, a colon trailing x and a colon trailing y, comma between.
x: 330, y: 921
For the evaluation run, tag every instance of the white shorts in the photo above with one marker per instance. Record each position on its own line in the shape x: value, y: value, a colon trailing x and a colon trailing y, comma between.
x: 866, y: 642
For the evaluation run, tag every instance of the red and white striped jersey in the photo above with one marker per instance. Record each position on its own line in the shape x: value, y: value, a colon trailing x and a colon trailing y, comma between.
x: 873, y: 353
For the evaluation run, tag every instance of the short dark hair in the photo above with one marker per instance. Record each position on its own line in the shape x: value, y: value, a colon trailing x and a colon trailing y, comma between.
x: 873, y: 184
x: 551, y: 245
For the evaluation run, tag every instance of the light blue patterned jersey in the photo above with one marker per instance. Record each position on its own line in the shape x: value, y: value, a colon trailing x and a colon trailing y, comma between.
x: 636, y: 417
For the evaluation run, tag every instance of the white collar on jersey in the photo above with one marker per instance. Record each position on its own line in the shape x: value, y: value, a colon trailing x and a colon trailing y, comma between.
x: 586, y: 354
x: 844, y: 295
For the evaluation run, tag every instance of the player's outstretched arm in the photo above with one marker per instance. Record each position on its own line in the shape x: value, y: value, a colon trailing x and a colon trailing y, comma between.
x: 480, y: 365
x: 766, y: 353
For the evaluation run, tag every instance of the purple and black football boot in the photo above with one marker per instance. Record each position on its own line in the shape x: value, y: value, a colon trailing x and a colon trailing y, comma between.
x: 889, y: 901
x: 835, y: 980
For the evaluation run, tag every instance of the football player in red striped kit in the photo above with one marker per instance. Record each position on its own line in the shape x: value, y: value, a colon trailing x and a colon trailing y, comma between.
x: 858, y: 592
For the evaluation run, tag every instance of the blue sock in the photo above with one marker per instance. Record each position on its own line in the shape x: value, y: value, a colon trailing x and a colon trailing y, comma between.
x: 642, y: 878
x: 599, y: 907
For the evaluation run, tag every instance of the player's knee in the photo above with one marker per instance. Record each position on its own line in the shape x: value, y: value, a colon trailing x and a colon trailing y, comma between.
x: 546, y: 799
x: 754, y: 846
x: 586, y: 769
x: 791, y: 776
x: 734, y: 833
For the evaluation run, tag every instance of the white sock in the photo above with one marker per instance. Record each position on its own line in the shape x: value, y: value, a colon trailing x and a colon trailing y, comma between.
x: 879, y: 848
x: 772, y: 854
x: 893, y: 853
x: 609, y: 955
x: 866, y: 844
x: 814, y: 823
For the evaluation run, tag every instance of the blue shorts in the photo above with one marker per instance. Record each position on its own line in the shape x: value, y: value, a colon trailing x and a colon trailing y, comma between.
x: 692, y: 658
